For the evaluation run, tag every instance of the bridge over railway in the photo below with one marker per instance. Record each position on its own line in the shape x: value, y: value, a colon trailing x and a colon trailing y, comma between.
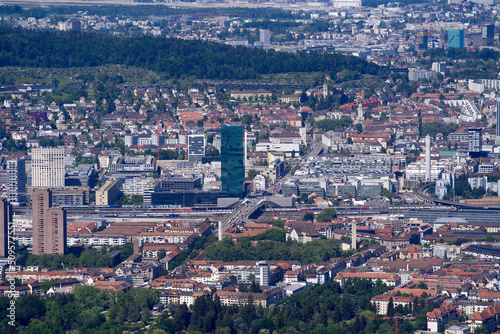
x: 421, y: 195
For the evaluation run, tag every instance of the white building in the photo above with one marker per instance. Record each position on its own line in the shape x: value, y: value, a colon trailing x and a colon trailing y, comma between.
x: 267, y: 146
x: 476, y: 182
x: 420, y: 75
x: 439, y: 67
x: 259, y: 183
x: 490, y: 84
x: 136, y: 185
x: 47, y: 165
x: 104, y: 160
x: 470, y: 113
x: 346, y: 3
x: 265, y: 36
x: 262, y: 273
x: 416, y: 170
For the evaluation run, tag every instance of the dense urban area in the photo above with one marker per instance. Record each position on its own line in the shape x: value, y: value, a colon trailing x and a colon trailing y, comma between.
x: 250, y: 167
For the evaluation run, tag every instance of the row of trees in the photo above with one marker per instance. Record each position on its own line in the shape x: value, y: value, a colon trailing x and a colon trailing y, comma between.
x: 174, y: 58
x: 463, y: 53
x: 88, y: 258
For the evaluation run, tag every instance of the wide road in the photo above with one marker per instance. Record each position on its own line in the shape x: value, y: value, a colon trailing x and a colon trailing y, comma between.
x: 249, y: 206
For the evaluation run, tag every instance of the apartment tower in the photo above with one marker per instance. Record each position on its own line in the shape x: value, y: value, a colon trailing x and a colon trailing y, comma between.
x: 16, y: 181
x: 475, y: 141
x: 49, y: 224
x: 196, y: 147
x: 47, y: 165
x: 262, y: 273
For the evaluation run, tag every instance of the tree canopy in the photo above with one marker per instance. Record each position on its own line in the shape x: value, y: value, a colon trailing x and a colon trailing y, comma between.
x: 333, y: 124
x: 172, y: 58
x: 432, y: 128
x: 327, y: 215
x: 273, y: 247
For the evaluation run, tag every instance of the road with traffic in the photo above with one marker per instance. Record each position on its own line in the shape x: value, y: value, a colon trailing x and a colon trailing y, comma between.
x: 250, y: 205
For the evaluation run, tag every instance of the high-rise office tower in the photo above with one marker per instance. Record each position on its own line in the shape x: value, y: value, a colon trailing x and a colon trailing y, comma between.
x: 475, y: 141
x: 232, y: 160
x: 49, y: 224
x: 265, y: 36
x: 456, y: 38
x: 5, y: 219
x: 487, y: 34
x: 196, y: 147
x: 16, y: 181
x: 47, y: 165
x: 423, y: 40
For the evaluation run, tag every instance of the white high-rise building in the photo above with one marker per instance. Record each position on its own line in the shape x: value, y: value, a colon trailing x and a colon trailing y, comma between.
x: 47, y: 165
x: 262, y: 273
x: 16, y: 181
x: 265, y: 36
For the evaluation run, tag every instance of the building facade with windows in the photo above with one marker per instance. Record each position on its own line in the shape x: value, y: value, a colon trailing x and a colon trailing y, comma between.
x: 16, y: 181
x: 232, y: 160
x: 47, y: 165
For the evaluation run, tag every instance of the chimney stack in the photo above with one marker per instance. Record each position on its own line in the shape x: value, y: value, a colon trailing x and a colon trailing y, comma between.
x: 428, y: 158
x: 354, y: 237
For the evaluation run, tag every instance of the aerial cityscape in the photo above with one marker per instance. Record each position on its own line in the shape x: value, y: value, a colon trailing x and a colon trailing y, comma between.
x: 250, y: 167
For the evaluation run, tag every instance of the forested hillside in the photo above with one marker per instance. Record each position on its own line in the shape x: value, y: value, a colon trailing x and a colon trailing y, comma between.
x: 172, y: 58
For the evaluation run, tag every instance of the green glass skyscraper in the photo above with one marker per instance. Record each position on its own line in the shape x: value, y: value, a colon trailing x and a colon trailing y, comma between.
x: 232, y: 159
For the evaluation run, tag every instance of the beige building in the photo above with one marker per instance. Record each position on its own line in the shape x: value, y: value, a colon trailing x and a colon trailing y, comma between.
x: 382, y: 302
x: 107, y: 194
x: 290, y: 98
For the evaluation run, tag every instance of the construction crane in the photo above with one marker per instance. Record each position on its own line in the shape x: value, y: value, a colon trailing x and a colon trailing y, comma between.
x: 389, y: 318
x: 199, y: 19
